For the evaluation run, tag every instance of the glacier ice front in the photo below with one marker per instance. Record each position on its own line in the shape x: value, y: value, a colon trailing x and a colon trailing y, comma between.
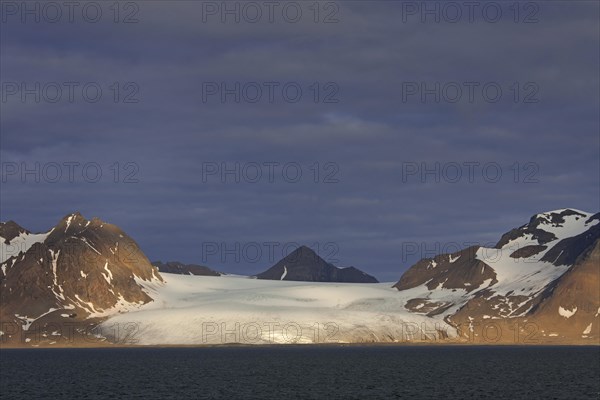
x: 232, y: 309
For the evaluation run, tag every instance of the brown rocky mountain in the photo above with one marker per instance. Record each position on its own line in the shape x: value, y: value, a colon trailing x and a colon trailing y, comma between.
x: 303, y: 264
x: 79, y: 271
x: 175, y: 267
x: 539, y: 284
x: 460, y: 270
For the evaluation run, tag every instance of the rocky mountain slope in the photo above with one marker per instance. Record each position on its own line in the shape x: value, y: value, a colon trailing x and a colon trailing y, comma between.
x: 541, y: 279
x: 303, y: 264
x: 80, y: 270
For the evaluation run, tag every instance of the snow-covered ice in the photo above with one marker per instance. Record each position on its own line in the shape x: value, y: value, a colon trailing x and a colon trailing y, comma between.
x: 233, y: 309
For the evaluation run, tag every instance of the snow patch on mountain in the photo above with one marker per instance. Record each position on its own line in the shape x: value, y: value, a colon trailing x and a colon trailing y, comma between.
x: 60, y: 293
x: 20, y: 244
x: 563, y: 312
x: 528, y: 276
x: 108, y: 276
x: 69, y: 220
x: 574, y: 224
x: 521, y: 276
x: 122, y: 306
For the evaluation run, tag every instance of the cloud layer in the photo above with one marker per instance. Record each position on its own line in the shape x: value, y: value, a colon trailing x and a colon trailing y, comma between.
x: 380, y: 107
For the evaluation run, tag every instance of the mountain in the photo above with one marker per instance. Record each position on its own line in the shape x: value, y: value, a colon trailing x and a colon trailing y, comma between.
x: 79, y: 271
x: 15, y: 239
x: 542, y: 278
x: 175, y: 267
x: 10, y: 230
x: 303, y: 264
x: 540, y: 284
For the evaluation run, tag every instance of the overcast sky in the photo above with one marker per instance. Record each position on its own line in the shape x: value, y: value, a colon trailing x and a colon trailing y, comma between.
x: 370, y: 120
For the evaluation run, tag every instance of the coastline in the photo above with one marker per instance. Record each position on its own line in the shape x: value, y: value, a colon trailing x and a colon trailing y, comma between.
x: 298, y: 345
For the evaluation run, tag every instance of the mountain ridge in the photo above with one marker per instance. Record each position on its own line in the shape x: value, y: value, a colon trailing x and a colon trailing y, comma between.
x: 176, y: 267
x: 79, y: 270
x: 304, y: 264
x: 542, y: 278
x: 510, y: 282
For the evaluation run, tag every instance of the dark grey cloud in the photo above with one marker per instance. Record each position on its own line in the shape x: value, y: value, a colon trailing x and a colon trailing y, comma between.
x: 371, y: 213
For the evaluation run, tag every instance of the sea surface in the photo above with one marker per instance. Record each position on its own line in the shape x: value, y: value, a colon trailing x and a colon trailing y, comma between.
x: 303, y: 372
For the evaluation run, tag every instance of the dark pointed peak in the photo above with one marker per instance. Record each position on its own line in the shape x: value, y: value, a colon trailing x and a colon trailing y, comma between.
x: 304, y: 264
x: 305, y: 249
x: 303, y: 253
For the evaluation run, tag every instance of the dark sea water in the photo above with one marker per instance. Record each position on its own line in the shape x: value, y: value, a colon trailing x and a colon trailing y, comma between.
x: 301, y: 372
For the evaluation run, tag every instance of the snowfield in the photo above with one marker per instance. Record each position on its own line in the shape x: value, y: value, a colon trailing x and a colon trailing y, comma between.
x: 233, y: 309
x: 192, y: 310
